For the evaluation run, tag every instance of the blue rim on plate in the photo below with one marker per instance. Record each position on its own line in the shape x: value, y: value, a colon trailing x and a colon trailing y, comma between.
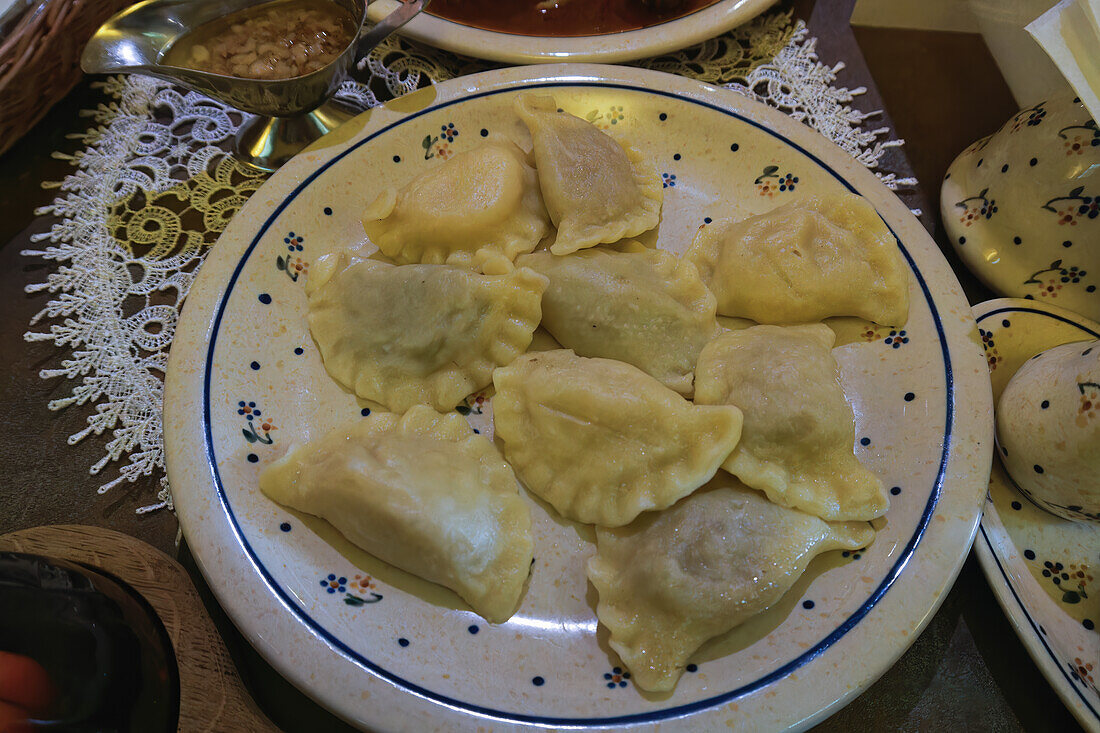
x: 829, y: 659
x: 653, y: 716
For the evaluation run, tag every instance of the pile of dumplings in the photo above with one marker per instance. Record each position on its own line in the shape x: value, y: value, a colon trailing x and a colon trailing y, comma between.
x: 714, y: 463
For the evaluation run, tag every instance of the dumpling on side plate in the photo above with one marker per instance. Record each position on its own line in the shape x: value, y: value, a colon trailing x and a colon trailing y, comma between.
x: 805, y: 261
x: 418, y: 334
x: 673, y: 579
x: 596, y: 188
x: 601, y: 440
x: 643, y: 306
x: 423, y: 493
x: 799, y: 431
x: 480, y: 205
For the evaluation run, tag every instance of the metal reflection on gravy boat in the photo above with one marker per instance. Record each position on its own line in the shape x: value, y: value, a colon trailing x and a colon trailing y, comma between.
x: 289, y: 113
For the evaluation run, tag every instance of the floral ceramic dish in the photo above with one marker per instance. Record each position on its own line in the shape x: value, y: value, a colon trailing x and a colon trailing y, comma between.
x: 511, y: 48
x: 1021, y: 207
x: 1044, y: 570
x: 388, y: 651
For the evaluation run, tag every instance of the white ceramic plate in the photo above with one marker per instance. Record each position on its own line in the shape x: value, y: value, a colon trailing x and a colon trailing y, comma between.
x: 1043, y: 569
x: 607, y: 47
x: 245, y: 382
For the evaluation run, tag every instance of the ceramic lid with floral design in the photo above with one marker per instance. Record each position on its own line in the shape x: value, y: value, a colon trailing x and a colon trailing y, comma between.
x: 1022, y: 207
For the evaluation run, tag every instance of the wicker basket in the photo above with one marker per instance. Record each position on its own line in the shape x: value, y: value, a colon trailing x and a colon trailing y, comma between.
x: 40, y: 59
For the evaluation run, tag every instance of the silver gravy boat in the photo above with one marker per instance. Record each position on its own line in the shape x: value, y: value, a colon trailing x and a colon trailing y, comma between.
x: 289, y: 114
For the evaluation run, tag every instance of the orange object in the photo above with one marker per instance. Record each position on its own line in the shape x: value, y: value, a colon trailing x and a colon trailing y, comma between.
x: 24, y: 683
x: 13, y: 719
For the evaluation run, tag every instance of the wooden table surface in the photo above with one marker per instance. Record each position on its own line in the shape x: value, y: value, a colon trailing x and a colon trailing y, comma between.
x: 939, y: 92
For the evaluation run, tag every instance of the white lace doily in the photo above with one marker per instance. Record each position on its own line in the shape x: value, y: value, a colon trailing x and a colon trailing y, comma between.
x: 153, y: 188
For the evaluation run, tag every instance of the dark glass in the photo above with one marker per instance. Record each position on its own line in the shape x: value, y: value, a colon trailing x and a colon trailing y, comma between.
x: 104, y: 648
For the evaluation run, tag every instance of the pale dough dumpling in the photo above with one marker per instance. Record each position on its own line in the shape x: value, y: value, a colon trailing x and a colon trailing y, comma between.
x: 596, y: 188
x: 418, y: 334
x: 673, y: 579
x: 805, y: 261
x: 799, y: 430
x: 479, y: 205
x: 602, y: 441
x: 643, y: 306
x: 423, y: 493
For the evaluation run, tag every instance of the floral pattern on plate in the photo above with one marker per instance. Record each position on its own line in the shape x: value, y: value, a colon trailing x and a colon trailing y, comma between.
x: 1041, y: 567
x: 912, y: 428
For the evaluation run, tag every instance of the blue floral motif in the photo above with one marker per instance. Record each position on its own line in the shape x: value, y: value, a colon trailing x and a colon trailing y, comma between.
x: 293, y: 242
x: 896, y: 338
x: 257, y: 428
x: 291, y: 264
x: 786, y: 183
x: 438, y: 145
x: 333, y: 584
x: 617, y: 677
x: 338, y: 584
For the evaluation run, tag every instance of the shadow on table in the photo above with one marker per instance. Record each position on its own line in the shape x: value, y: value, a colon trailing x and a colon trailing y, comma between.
x: 969, y: 646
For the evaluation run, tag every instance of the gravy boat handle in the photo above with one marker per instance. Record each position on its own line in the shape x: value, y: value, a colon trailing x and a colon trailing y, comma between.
x: 406, y: 11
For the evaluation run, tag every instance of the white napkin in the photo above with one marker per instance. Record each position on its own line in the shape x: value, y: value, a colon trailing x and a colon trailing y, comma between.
x: 1070, y: 34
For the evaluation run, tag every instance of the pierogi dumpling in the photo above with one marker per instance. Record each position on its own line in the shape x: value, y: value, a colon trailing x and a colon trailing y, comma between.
x: 418, y: 334
x: 643, y: 306
x: 478, y: 206
x: 799, y: 429
x: 671, y: 580
x: 596, y: 188
x: 601, y: 440
x: 423, y: 493
x: 805, y: 261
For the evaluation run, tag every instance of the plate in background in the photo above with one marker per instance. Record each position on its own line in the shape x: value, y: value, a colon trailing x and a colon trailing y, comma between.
x: 1044, y: 570
x: 655, y: 40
